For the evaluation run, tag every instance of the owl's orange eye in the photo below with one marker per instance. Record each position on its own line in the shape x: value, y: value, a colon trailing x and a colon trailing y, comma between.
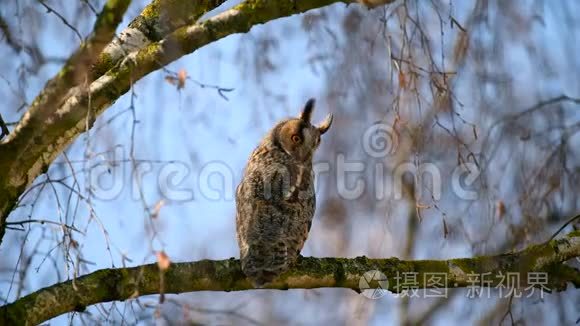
x: 296, y: 139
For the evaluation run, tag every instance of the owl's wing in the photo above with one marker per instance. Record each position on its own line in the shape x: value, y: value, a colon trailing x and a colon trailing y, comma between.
x: 263, y: 247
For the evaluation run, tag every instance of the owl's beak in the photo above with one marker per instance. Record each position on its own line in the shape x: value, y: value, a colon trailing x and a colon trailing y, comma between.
x: 325, y: 125
x: 306, y: 113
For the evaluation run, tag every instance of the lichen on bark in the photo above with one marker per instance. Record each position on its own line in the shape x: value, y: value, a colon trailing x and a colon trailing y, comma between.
x: 309, y: 272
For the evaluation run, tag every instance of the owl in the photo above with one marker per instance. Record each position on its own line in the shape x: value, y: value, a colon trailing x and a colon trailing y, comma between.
x: 275, y: 201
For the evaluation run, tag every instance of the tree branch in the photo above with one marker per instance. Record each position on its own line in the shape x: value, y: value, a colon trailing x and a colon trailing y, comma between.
x: 155, y: 22
x: 50, y: 126
x: 30, y: 138
x: 225, y: 275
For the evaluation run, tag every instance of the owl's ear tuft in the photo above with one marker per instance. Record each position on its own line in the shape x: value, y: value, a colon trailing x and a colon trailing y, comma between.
x: 325, y: 125
x: 306, y: 113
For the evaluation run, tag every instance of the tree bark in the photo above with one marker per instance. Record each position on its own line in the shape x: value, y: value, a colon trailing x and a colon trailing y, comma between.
x: 225, y: 275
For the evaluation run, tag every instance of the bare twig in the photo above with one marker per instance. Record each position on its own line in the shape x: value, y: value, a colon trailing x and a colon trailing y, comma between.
x: 564, y: 226
x: 61, y: 17
x: 4, y: 130
x: 22, y: 222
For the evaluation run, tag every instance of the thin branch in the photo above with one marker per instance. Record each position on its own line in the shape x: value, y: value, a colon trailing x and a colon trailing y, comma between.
x: 509, y: 311
x: 45, y: 222
x: 8, y: 36
x: 3, y: 129
x: 564, y: 226
x: 174, y: 78
x: 61, y: 17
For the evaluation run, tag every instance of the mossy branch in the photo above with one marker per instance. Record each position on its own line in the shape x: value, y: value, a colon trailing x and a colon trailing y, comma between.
x: 225, y: 275
x: 157, y: 20
x: 62, y: 111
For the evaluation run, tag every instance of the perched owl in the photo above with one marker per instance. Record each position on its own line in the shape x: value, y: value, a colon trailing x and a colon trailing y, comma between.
x: 275, y: 200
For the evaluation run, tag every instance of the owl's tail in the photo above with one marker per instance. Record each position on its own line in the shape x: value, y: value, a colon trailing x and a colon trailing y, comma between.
x: 264, y: 262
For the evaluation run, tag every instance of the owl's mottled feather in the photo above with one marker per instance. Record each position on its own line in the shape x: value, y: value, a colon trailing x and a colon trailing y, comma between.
x: 275, y: 201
